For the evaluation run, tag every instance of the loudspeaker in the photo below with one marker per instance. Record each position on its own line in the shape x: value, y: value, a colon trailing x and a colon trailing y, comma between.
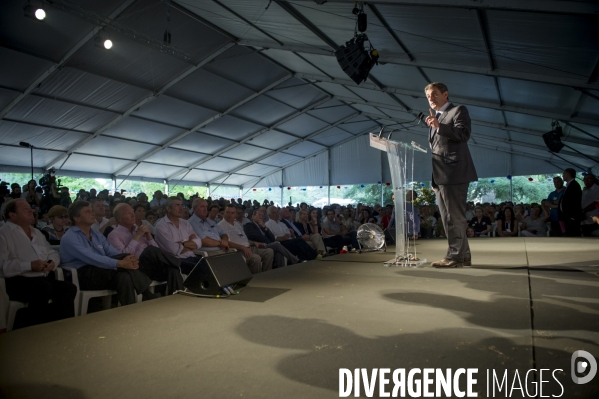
x: 211, y: 274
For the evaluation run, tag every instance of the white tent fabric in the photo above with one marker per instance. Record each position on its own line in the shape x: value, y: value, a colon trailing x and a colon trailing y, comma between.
x: 250, y: 93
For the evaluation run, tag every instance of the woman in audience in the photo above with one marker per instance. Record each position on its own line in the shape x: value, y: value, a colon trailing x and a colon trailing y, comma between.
x: 480, y: 223
x: 140, y: 217
x: 507, y: 225
x: 470, y: 232
x: 534, y: 225
x: 348, y: 222
x: 59, y: 223
x: 305, y: 226
x: 31, y: 196
x: 489, y: 211
x: 366, y: 217
x: 520, y: 213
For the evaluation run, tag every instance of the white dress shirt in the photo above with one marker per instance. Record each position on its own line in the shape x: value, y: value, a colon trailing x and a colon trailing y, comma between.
x: 98, y: 225
x: 169, y: 237
x: 17, y: 251
x: 277, y: 228
x: 235, y: 233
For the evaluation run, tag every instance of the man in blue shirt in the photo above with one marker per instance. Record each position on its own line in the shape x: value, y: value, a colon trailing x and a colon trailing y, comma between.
x: 212, y: 235
x: 553, y: 203
x: 99, y: 265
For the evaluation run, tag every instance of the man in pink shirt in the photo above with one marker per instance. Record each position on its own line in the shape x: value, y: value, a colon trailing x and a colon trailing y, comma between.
x: 176, y: 236
x: 157, y: 264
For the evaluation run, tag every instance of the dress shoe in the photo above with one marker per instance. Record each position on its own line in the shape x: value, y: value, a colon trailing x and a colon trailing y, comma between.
x: 467, y: 261
x: 447, y: 263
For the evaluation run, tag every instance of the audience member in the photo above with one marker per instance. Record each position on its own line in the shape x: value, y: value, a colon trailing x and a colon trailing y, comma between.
x: 553, y: 204
x: 257, y: 231
x: 590, y: 202
x: 59, y: 223
x: 27, y: 263
x: 32, y: 197
x: 287, y: 236
x: 158, y: 199
x: 314, y: 240
x: 214, y: 239
x: 213, y: 212
x: 132, y: 238
x: 534, y: 225
x: 176, y: 236
x: 241, y: 217
x: 309, y: 233
x: 101, y: 222
x: 570, y: 209
x: 507, y: 225
x: 480, y: 224
x: 99, y: 265
x: 258, y: 257
x: 15, y: 191
x: 140, y: 217
x: 330, y: 228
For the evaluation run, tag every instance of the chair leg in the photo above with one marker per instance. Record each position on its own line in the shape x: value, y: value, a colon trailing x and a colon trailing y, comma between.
x: 84, y: 304
x: 107, y: 302
x: 12, y: 314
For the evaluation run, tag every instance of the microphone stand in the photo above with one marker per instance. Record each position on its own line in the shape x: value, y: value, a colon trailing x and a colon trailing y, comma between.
x: 24, y: 144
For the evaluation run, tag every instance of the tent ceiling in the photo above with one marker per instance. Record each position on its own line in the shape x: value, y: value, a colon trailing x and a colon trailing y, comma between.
x: 249, y: 88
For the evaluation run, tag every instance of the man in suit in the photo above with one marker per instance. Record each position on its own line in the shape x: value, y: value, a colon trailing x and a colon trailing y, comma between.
x: 257, y: 231
x: 570, y: 208
x: 453, y: 170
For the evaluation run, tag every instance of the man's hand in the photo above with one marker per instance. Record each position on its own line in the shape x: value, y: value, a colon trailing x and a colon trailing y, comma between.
x: 260, y: 245
x: 306, y: 237
x: 431, y: 120
x: 41, y: 266
x: 247, y: 252
x: 224, y: 245
x: 128, y: 262
x: 291, y: 233
x: 142, y: 231
x: 596, y: 219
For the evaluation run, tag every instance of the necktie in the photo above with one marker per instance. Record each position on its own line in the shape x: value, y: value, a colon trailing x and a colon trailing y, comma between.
x: 432, y: 131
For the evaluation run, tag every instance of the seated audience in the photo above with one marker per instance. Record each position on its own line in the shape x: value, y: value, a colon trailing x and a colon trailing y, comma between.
x: 241, y: 216
x: 30, y: 195
x: 386, y: 217
x: 481, y: 224
x: 129, y: 237
x: 287, y: 236
x: 151, y: 217
x: 213, y: 212
x: 534, y: 225
x: 176, y: 236
x: 258, y: 232
x: 589, y: 204
x: 470, y: 232
x: 330, y: 228
x: 59, y: 223
x: 99, y: 265
x: 507, y: 225
x: 309, y: 232
x: 27, y: 263
x: 214, y: 239
x: 570, y: 209
x: 314, y: 240
x: 258, y: 257
x: 15, y: 191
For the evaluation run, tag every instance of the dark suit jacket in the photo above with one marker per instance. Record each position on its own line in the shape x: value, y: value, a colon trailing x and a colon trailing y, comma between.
x: 452, y: 162
x: 254, y: 233
x: 570, y: 207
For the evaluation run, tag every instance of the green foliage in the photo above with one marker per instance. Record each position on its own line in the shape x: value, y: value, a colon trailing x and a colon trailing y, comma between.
x: 524, y: 191
x: 369, y: 194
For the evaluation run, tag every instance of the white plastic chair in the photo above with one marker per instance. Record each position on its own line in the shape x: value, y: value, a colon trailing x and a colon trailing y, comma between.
x: 82, y: 298
x: 13, y: 308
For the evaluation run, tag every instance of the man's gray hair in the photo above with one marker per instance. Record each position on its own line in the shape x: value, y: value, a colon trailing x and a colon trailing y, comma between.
x: 171, y: 200
x: 271, y: 209
x: 196, y: 202
x: 116, y: 212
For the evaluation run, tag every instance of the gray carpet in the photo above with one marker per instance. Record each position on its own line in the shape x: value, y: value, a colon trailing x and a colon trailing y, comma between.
x: 290, y: 331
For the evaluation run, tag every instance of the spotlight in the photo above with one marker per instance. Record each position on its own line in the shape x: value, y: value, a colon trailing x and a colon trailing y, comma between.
x: 355, y: 60
x: 103, y: 41
x: 34, y: 12
x: 552, y: 139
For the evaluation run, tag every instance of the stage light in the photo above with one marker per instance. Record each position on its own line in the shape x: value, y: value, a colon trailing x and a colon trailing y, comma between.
x: 34, y: 12
x: 103, y: 41
x: 552, y: 139
x: 355, y: 60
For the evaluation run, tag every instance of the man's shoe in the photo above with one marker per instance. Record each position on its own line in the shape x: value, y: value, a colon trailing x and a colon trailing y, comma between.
x: 319, y: 256
x: 467, y: 261
x: 447, y: 263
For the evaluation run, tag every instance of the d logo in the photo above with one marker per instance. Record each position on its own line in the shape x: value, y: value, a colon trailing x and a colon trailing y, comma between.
x: 589, y: 363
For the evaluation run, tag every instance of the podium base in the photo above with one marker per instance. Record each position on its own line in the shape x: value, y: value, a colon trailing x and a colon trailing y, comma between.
x: 405, y: 261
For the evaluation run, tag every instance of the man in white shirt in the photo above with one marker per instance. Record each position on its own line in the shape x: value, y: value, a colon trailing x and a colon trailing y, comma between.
x: 590, y: 196
x: 176, y: 236
x: 27, y: 263
x: 287, y: 236
x: 257, y: 256
x: 101, y: 222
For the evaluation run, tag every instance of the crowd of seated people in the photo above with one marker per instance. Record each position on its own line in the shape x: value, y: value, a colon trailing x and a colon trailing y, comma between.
x: 123, y: 243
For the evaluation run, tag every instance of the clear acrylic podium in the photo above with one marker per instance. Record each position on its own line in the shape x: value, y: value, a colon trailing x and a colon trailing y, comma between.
x: 401, y: 163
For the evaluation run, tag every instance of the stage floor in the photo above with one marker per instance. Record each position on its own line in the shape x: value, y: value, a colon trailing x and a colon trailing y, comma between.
x: 526, y: 303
